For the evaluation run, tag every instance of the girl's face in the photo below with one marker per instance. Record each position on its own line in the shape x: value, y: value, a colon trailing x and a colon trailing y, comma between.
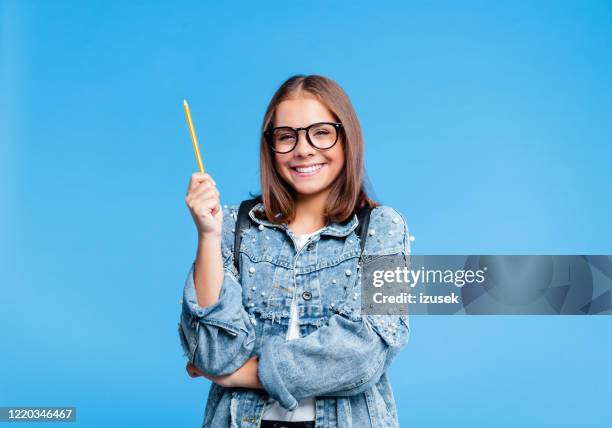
x: 322, y: 166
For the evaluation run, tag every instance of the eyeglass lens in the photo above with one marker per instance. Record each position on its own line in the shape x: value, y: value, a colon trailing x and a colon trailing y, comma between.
x: 322, y: 136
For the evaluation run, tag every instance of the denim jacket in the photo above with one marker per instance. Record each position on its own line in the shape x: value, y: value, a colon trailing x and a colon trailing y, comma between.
x: 341, y: 357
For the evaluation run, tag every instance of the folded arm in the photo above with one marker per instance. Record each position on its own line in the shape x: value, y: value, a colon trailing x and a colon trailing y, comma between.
x: 344, y: 357
x: 347, y: 355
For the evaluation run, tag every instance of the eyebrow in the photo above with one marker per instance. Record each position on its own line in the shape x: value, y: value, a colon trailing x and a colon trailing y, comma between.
x: 312, y: 123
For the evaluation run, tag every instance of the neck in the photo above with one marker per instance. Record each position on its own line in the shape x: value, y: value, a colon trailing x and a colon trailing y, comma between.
x: 309, y: 213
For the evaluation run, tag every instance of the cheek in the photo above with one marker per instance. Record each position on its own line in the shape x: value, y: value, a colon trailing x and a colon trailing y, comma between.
x: 278, y: 162
x: 337, y: 158
x: 281, y: 166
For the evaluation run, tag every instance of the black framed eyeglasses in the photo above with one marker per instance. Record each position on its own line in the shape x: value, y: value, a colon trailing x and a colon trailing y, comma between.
x: 320, y: 135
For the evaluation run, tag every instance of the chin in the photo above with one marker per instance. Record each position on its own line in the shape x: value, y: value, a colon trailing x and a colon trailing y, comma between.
x: 309, y: 190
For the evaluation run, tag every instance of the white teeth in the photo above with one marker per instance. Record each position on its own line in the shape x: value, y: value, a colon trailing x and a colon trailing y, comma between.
x: 309, y: 168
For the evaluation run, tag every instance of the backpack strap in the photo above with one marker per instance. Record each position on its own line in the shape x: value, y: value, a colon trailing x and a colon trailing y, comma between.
x: 242, y: 222
x: 363, y: 215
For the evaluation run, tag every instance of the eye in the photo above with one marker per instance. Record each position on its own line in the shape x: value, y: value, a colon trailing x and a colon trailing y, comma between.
x: 284, y: 135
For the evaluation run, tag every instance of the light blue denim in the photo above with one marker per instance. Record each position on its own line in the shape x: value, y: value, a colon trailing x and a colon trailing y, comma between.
x: 341, y: 357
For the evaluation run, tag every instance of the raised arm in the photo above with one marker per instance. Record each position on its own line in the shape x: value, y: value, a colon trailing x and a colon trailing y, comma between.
x: 216, y: 332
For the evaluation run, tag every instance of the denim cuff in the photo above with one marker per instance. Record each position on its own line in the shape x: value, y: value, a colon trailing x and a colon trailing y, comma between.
x: 217, y: 338
x: 224, y: 309
x: 271, y: 379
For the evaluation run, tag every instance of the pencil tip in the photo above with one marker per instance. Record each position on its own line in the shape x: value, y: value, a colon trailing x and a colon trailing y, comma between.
x: 184, y: 102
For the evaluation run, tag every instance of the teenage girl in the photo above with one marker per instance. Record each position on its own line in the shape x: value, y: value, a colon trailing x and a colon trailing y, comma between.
x: 283, y: 339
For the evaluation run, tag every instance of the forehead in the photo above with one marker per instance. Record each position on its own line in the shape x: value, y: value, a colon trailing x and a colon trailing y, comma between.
x: 301, y: 112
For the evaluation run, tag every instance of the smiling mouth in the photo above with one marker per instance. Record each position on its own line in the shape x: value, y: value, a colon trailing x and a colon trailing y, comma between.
x: 305, y: 171
x: 308, y: 169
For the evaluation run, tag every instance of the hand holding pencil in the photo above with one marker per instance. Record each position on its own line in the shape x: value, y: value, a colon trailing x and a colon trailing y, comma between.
x: 202, y: 195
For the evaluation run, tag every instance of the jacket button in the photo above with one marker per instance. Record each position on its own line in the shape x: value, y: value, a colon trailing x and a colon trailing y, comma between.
x: 307, y: 295
x: 310, y: 247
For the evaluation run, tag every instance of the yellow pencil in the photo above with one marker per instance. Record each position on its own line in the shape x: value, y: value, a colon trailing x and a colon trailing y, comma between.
x: 193, y: 136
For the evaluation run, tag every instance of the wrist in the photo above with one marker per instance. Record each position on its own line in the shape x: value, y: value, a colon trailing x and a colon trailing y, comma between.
x: 209, y: 239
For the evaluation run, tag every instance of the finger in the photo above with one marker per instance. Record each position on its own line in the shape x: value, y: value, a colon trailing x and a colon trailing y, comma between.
x: 193, y: 372
x: 200, y: 176
x: 198, y: 191
x: 195, y: 200
x: 197, y: 178
x: 198, y: 182
x: 204, y: 188
x: 189, y: 369
x: 206, y: 207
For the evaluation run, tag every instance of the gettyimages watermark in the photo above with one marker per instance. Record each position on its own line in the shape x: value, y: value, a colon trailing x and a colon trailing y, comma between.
x: 487, y: 285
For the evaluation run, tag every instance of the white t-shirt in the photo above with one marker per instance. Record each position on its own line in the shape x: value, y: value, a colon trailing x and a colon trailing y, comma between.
x: 305, y: 411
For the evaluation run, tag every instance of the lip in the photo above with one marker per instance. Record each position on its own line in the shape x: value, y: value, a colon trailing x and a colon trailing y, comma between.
x: 307, y: 174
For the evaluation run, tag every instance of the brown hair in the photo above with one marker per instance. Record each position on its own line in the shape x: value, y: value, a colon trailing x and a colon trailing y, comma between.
x: 348, y: 191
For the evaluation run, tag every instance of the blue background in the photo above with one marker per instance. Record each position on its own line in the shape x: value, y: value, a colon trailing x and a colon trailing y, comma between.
x: 487, y: 125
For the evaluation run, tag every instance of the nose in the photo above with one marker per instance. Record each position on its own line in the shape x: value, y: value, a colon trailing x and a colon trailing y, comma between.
x: 303, y: 147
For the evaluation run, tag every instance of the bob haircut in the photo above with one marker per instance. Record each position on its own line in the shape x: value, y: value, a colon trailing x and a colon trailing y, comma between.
x: 348, y: 191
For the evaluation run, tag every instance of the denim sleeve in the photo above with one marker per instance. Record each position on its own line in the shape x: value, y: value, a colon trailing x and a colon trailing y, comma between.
x: 346, y: 356
x: 219, y: 338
